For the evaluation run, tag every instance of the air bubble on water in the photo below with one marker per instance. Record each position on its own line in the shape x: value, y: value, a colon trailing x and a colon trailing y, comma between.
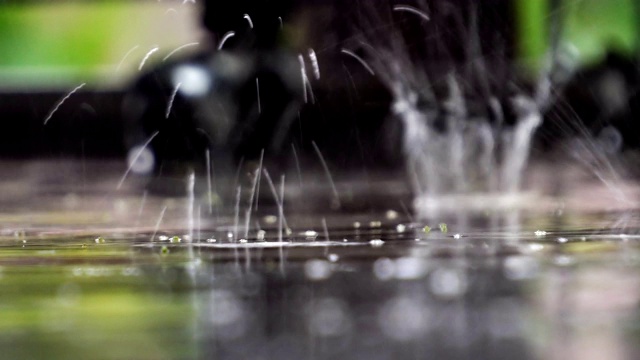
x: 333, y: 257
x: 229, y: 235
x: 403, y: 319
x: 401, y: 228
x: 562, y: 240
x: 211, y: 240
x: 448, y: 283
x: 356, y: 225
x: 410, y: 268
x: 99, y: 240
x: 457, y: 236
x: 540, y: 233
x: 519, y: 267
x: 260, y: 235
x: 191, y: 80
x: 163, y: 238
x: 376, y: 243
x: 328, y: 317
x: 316, y: 269
x: 242, y: 241
x: 384, y: 269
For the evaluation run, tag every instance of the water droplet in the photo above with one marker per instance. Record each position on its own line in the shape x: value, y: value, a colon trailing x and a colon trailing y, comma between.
x: 99, y: 240
x: 563, y: 260
x: 270, y: 219
x: 536, y: 247
x: 317, y: 269
x: 163, y: 238
x: 391, y: 214
x: 327, y: 317
x: 540, y: 233
x: 227, y: 314
x: 356, y: 225
x: 410, y: 268
x: 401, y: 228
x: 520, y: 267
x: 310, y: 234
x: 333, y: 257
x: 562, y: 240
x: 211, y: 240
x: 141, y: 159
x: 375, y: 224
x: 457, y: 236
x: 376, y: 243
x: 260, y: 235
x: 403, y: 318
x: 448, y: 283
x: 384, y: 269
x: 192, y: 80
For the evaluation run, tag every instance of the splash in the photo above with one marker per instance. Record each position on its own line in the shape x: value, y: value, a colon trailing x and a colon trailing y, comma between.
x: 461, y: 133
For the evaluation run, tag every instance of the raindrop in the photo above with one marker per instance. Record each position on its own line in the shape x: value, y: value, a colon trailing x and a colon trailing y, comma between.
x: 520, y: 267
x: 448, y: 283
x: 403, y: 319
x: 376, y: 243
x: 317, y: 270
x: 328, y: 317
x: 384, y: 269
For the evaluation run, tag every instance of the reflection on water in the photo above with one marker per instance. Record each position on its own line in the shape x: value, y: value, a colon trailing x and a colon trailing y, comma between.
x: 97, y: 275
x: 131, y: 298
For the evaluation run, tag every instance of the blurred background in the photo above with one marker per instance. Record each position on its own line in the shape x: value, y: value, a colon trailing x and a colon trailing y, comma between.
x: 47, y: 49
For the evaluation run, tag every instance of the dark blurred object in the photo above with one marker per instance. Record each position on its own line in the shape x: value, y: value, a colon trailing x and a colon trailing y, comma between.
x: 232, y: 102
x: 602, y: 101
x: 85, y: 125
x: 257, y: 24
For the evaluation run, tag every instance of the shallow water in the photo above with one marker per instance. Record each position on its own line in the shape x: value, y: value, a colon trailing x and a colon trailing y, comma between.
x: 88, y: 272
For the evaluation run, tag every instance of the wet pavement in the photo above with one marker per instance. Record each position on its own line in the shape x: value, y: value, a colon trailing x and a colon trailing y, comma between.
x: 88, y: 271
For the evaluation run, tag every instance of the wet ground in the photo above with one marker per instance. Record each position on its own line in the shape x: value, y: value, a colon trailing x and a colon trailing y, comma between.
x: 88, y: 271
